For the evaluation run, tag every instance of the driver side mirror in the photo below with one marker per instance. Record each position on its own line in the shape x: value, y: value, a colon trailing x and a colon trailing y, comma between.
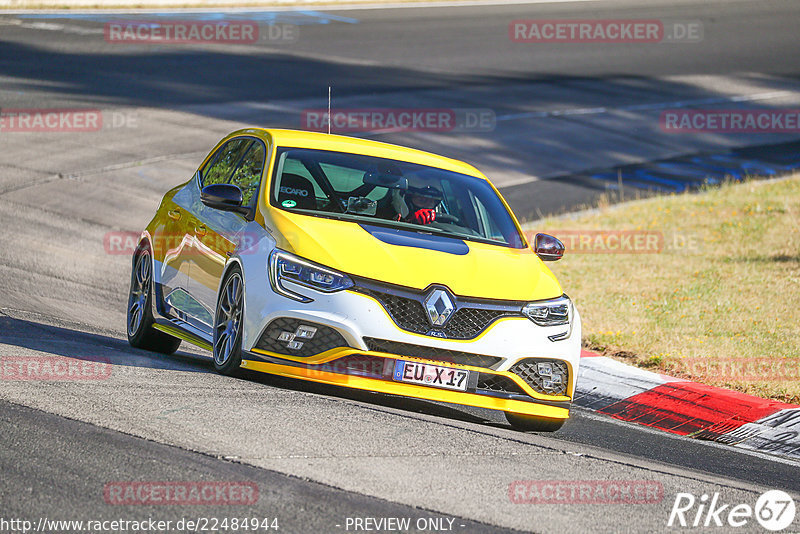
x: 225, y: 197
x: 547, y: 247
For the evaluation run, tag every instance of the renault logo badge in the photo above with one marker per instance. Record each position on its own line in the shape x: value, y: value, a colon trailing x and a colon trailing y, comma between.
x: 439, y: 306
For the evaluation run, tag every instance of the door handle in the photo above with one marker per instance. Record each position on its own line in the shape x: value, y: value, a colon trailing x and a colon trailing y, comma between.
x: 174, y: 214
x: 200, y: 230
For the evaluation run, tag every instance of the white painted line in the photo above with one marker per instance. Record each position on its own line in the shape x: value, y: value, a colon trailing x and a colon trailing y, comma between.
x: 66, y: 28
x: 458, y: 3
x: 591, y: 414
x: 778, y: 433
x: 603, y: 381
x: 296, y: 6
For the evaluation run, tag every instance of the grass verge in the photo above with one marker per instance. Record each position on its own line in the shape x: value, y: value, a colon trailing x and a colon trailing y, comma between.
x: 704, y: 286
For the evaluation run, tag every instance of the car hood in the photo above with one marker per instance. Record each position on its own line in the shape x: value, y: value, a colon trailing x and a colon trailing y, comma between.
x: 410, y: 259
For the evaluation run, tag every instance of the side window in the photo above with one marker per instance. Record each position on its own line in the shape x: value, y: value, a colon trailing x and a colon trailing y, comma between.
x: 222, y: 164
x: 488, y: 228
x: 452, y: 200
x: 248, y: 174
x: 295, y: 187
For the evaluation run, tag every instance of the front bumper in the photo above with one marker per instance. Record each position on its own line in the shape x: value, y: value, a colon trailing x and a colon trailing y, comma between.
x: 556, y: 409
x: 371, y: 342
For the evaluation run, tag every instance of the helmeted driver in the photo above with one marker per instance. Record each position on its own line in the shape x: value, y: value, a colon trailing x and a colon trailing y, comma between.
x: 422, y: 203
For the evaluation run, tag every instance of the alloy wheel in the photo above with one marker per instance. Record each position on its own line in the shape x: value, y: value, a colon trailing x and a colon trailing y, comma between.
x: 140, y: 286
x: 228, y: 319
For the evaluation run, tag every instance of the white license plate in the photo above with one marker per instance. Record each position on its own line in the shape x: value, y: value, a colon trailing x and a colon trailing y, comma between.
x: 431, y: 375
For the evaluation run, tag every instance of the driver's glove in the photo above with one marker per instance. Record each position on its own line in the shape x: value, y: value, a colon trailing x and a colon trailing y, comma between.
x: 425, y: 216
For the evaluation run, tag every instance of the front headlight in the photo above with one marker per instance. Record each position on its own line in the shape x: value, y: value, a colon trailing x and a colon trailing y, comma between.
x: 553, y: 312
x: 287, y: 267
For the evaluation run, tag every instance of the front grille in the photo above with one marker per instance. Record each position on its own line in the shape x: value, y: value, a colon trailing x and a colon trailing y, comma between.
x: 407, y: 313
x: 430, y: 353
x: 467, y: 322
x: 534, y: 372
x: 498, y: 384
x: 325, y: 338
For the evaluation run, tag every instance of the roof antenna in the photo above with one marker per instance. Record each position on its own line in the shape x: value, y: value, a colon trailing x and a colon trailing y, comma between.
x: 329, y: 110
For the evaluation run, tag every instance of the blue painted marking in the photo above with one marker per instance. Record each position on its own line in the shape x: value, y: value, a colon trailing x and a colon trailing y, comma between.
x: 404, y: 238
x: 628, y: 181
x: 298, y: 18
x: 726, y: 165
x: 718, y: 169
x: 747, y: 167
x: 649, y: 175
x: 679, y: 168
x: 691, y: 171
x: 789, y: 155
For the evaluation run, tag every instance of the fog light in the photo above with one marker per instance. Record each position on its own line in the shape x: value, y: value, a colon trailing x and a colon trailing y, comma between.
x: 305, y: 332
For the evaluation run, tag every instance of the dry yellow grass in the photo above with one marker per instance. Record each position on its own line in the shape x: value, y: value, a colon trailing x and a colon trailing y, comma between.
x: 719, y: 304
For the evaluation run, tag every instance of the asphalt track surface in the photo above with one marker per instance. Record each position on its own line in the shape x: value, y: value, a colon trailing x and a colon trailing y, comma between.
x: 320, y: 455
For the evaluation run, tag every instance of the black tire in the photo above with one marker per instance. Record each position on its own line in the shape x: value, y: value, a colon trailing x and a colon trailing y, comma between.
x: 228, y: 324
x: 141, y: 333
x: 531, y: 423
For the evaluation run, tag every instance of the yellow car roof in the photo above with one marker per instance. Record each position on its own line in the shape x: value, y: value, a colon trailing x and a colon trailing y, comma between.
x: 367, y: 147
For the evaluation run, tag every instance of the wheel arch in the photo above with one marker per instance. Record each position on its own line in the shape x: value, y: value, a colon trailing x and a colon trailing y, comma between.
x: 232, y: 262
x: 145, y: 241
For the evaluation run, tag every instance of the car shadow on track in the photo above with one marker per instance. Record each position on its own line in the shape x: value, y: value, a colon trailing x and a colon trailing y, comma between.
x: 378, y: 399
x: 76, y: 344
x: 72, y: 343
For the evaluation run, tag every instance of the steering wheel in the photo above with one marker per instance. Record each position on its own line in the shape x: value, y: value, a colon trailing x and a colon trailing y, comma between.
x: 447, y: 218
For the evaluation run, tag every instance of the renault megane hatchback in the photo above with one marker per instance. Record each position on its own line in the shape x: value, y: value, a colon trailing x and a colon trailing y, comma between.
x: 359, y: 264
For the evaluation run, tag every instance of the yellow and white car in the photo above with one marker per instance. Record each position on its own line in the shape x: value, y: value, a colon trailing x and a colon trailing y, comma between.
x: 360, y: 264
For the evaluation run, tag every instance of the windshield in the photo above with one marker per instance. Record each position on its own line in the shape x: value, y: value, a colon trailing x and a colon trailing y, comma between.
x: 391, y: 193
